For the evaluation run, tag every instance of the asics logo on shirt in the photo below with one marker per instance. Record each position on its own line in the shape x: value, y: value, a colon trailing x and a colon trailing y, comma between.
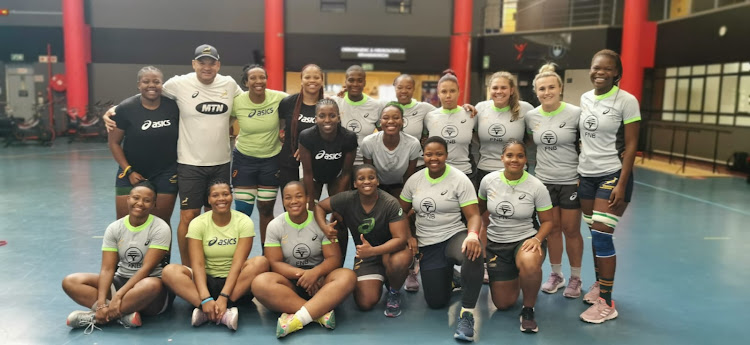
x: 562, y: 125
x: 156, y: 124
x: 322, y: 154
x: 195, y: 94
x: 211, y: 108
x: 444, y: 192
x: 523, y: 196
x: 261, y: 112
x: 222, y: 242
x: 304, y: 119
x: 315, y: 237
x: 366, y: 115
x: 606, y: 111
x: 463, y: 121
x: 367, y: 226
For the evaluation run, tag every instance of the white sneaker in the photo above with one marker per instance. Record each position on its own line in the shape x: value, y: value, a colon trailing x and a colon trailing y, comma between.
x: 553, y: 283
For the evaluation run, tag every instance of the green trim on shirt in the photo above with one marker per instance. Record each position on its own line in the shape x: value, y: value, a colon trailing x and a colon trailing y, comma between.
x: 298, y: 226
x: 346, y: 98
x: 272, y: 245
x: 437, y: 180
x: 609, y: 93
x: 404, y: 198
x: 554, y: 112
x: 140, y: 227
x: 107, y: 249
x: 450, y: 111
x: 327, y: 241
x: 482, y: 197
x: 156, y: 246
x: 470, y: 202
x: 631, y: 120
x: 501, y: 110
x: 514, y: 182
x: 410, y: 105
x: 542, y: 209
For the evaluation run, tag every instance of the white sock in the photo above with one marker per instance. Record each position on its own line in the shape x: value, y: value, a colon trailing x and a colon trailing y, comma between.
x: 303, y: 315
x: 463, y: 310
x: 575, y: 272
x: 557, y: 268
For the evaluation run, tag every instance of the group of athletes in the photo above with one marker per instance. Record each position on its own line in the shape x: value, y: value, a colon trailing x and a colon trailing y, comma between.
x: 399, y: 176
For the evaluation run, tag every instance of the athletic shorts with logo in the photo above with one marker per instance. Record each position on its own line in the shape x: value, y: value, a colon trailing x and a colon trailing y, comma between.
x: 371, y: 268
x: 600, y: 187
x: 165, y: 182
x: 253, y: 171
x: 193, y: 183
x: 501, y: 259
x: 564, y: 196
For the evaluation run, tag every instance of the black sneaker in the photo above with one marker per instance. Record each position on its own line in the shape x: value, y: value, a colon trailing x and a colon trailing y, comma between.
x: 528, y: 324
x: 465, y: 328
x: 393, y: 304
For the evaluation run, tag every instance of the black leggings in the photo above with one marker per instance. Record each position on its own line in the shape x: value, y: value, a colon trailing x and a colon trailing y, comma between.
x: 437, y: 282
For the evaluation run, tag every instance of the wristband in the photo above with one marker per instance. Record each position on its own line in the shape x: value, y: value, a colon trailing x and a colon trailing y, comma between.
x: 472, y: 236
x: 124, y: 172
x: 224, y: 295
x: 208, y: 299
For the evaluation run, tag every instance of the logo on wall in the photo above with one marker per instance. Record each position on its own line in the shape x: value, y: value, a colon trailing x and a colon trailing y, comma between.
x: 549, y: 138
x: 449, y: 132
x: 520, y: 48
x: 354, y: 126
x: 496, y: 130
x: 557, y: 50
x: 591, y: 123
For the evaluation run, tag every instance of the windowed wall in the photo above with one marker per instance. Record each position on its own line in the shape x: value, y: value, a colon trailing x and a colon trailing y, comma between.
x: 714, y: 94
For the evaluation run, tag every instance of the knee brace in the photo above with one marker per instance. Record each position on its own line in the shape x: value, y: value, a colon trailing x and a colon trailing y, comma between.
x: 607, y: 219
x: 587, y: 219
x: 267, y: 194
x: 244, y: 200
x: 603, y: 245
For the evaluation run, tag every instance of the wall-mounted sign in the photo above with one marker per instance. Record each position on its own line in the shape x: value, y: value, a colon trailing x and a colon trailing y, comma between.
x: 373, y: 53
x: 45, y: 59
x: 368, y: 66
x: 16, y: 57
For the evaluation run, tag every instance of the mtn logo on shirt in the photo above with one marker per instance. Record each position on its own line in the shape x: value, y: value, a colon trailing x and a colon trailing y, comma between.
x: 211, y: 108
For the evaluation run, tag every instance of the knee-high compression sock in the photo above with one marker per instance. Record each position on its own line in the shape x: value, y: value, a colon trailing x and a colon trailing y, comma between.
x: 244, y: 200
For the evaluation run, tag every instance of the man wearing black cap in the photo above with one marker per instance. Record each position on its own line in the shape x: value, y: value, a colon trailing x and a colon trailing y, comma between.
x: 204, y: 98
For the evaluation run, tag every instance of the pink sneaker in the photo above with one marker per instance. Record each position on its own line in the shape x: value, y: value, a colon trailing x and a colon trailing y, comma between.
x: 230, y: 318
x: 574, y: 288
x: 593, y: 294
x: 411, y: 284
x: 553, y: 283
x: 599, y: 312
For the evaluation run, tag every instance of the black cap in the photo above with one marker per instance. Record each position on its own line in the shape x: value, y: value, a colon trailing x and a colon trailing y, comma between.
x: 206, y: 50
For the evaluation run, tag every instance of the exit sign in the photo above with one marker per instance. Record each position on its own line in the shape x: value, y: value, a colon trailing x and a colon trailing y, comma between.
x: 16, y: 57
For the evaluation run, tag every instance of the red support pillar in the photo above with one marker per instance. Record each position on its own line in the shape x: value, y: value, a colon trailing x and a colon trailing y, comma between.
x: 76, y: 42
x: 461, y: 46
x: 274, y: 43
x: 638, y: 46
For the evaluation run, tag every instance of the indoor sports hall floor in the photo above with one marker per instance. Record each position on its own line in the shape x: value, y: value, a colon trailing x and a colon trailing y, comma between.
x: 683, y: 249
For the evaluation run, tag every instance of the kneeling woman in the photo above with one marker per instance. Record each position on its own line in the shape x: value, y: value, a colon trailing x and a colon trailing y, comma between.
x: 439, y: 195
x: 380, y: 230
x: 128, y: 283
x: 515, y: 250
x: 305, y: 282
x: 219, y: 242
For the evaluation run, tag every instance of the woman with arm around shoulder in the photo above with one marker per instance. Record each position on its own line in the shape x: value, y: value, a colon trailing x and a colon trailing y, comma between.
x: 452, y: 123
x: 439, y: 194
x: 305, y: 282
x: 327, y: 153
x: 499, y: 119
x: 554, y: 128
x: 255, y: 158
x: 515, y: 250
x: 380, y: 231
x: 297, y: 113
x: 150, y: 122
x: 220, y: 274
x: 129, y: 282
x: 609, y: 125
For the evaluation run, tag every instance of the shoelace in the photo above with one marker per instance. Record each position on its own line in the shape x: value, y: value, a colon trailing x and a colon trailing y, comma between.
x: 527, y: 313
x: 466, y: 322
x: 89, y: 323
x: 575, y: 283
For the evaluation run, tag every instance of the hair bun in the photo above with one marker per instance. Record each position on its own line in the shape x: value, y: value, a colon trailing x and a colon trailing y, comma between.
x: 448, y: 72
x: 549, y: 67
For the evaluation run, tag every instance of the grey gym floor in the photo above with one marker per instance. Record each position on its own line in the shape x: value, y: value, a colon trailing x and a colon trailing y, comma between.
x: 682, y: 250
